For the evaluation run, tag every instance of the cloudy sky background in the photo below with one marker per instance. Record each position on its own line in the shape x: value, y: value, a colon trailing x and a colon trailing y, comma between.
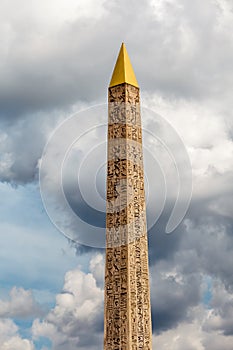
x: 56, y: 58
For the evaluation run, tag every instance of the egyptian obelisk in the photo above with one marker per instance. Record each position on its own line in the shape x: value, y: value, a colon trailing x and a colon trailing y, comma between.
x: 127, y: 310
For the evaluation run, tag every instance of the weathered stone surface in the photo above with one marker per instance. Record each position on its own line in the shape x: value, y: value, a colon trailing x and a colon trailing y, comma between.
x: 127, y: 315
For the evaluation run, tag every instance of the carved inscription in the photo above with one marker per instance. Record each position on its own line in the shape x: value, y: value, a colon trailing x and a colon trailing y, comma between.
x: 127, y: 319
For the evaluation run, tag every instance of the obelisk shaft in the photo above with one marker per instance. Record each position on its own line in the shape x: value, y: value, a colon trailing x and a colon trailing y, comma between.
x: 127, y: 314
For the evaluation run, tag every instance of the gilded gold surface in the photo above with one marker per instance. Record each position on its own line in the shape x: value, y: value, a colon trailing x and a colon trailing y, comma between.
x: 123, y: 70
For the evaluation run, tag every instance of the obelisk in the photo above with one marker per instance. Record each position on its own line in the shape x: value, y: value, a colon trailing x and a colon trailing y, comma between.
x: 127, y: 310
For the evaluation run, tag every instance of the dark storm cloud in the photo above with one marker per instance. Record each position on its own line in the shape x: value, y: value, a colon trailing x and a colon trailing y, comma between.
x: 211, y: 240
x: 21, y: 148
x: 172, y: 299
x: 76, y: 62
x: 21, y: 144
x: 83, y: 210
x: 163, y: 246
x: 203, y: 249
x: 201, y: 246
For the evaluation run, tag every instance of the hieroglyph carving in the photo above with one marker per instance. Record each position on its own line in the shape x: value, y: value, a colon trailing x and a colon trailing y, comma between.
x: 127, y: 319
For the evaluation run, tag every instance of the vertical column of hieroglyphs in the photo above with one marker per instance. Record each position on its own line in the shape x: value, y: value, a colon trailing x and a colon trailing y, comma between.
x: 137, y: 245
x: 116, y: 277
x: 127, y: 297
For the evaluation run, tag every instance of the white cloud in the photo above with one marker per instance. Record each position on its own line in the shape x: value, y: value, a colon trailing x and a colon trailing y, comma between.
x: 193, y: 334
x: 21, y: 304
x: 185, y: 337
x: 204, y: 130
x: 97, y: 268
x: 78, y: 310
x: 10, y: 339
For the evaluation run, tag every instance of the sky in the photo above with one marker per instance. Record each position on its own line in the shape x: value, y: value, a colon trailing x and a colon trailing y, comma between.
x: 56, y: 60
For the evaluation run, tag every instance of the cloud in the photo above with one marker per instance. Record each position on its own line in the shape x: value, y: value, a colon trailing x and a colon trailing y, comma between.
x: 57, y: 59
x: 193, y: 334
x: 172, y: 296
x: 180, y: 320
x: 78, y: 308
x: 97, y: 268
x: 50, y: 60
x: 199, y: 248
x: 34, y: 58
x: 21, y: 145
x: 10, y: 339
x: 186, y: 336
x: 21, y: 305
x: 220, y: 317
x: 42, y: 75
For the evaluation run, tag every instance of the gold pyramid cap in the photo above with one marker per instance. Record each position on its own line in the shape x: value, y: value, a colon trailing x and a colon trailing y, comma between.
x: 123, y: 71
